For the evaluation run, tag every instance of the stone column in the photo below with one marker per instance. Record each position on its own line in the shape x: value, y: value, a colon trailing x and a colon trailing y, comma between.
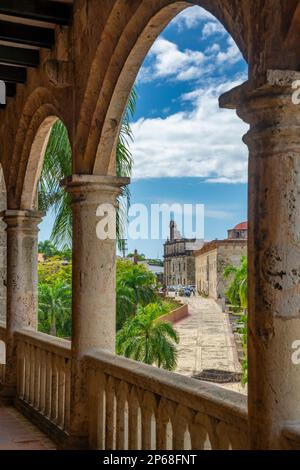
x: 94, y: 280
x: 22, y: 282
x: 274, y: 256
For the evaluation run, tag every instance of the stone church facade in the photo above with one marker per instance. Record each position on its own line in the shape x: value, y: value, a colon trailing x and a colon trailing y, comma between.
x: 179, y: 259
x: 213, y: 257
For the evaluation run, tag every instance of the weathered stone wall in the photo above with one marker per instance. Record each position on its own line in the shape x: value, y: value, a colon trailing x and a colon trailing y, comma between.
x: 210, y: 267
x: 227, y: 255
x: 2, y: 250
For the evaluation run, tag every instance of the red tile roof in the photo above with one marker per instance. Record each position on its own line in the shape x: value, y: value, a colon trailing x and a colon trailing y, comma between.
x: 241, y: 226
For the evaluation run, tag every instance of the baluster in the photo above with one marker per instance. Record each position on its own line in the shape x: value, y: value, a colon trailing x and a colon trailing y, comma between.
x: 67, y: 392
x: 54, y: 387
x: 222, y: 436
x: 42, y: 380
x: 110, y: 414
x: 97, y: 399
x: 36, y: 402
x: 183, y: 418
x: 21, y: 370
x: 32, y: 371
x: 212, y: 433
x: 122, y: 419
x: 61, y: 392
x: 27, y: 372
x: 48, y: 387
x: 165, y: 416
x: 148, y: 430
x: 200, y: 432
x: 133, y: 419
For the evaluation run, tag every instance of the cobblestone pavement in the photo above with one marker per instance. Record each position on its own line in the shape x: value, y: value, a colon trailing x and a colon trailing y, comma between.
x: 206, y: 341
x: 17, y: 433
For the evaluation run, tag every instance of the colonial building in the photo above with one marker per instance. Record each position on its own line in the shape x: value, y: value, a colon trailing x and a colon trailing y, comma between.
x: 213, y: 257
x: 179, y: 259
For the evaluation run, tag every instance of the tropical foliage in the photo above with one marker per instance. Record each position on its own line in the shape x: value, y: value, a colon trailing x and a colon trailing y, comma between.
x: 238, y: 289
x: 55, y: 309
x: 237, y: 293
x: 147, y: 339
x: 135, y: 286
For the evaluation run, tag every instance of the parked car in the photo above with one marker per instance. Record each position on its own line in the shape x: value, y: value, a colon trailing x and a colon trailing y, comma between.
x: 187, y: 292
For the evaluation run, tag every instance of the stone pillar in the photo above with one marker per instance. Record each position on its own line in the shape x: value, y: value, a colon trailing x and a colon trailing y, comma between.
x: 274, y: 256
x: 22, y: 282
x: 94, y: 280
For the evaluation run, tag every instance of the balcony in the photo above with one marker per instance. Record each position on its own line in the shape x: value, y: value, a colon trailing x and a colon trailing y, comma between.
x: 130, y: 405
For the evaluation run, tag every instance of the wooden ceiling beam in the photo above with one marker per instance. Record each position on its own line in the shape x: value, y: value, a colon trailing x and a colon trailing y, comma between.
x: 19, y: 56
x: 47, y: 11
x: 27, y: 35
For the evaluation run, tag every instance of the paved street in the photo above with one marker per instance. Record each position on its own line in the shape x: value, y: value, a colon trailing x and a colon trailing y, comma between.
x: 206, y: 341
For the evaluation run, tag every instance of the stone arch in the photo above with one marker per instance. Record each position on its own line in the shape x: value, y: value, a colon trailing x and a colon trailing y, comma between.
x: 35, y: 162
x: 38, y: 115
x: 103, y: 110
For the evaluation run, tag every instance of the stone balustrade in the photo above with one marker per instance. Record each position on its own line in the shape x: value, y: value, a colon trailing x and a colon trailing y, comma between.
x: 43, y: 379
x: 2, y: 350
x: 131, y: 405
x: 135, y: 406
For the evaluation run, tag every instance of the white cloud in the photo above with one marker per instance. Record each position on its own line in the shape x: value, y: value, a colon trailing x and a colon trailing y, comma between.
x: 206, y: 142
x: 167, y: 61
x: 212, y: 28
x: 170, y: 62
x: 231, y: 55
x: 191, y: 17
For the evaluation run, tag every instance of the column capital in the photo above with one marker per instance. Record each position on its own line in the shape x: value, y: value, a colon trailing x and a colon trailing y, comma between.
x: 94, y: 189
x: 90, y: 183
x: 22, y: 219
x: 276, y: 82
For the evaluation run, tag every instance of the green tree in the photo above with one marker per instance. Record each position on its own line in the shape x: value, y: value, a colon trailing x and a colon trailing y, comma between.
x: 238, y: 288
x: 58, y: 165
x: 55, y: 309
x: 146, y: 339
x: 135, y: 286
x: 237, y: 293
x: 48, y: 249
x: 55, y: 270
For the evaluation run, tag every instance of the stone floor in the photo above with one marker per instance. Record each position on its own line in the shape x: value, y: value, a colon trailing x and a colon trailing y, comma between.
x: 206, y: 341
x: 17, y: 433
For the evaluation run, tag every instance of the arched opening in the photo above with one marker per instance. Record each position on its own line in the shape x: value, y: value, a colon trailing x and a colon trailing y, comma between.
x: 50, y: 161
x: 55, y: 237
x: 180, y: 132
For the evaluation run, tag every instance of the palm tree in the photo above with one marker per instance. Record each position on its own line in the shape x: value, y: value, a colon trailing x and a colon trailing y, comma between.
x: 140, y: 282
x: 238, y: 288
x: 146, y: 339
x: 55, y: 308
x: 58, y: 165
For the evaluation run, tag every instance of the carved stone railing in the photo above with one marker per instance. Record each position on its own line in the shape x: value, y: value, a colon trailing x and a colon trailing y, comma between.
x: 43, y: 379
x: 2, y: 338
x: 135, y: 406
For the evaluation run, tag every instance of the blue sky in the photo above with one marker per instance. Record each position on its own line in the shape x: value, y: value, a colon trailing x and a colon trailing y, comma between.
x: 186, y: 149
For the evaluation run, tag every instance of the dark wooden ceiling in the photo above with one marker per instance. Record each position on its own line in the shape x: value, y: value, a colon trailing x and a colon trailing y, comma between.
x: 26, y: 26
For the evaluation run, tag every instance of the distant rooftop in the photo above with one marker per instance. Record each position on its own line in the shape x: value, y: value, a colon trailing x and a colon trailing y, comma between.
x: 241, y: 226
